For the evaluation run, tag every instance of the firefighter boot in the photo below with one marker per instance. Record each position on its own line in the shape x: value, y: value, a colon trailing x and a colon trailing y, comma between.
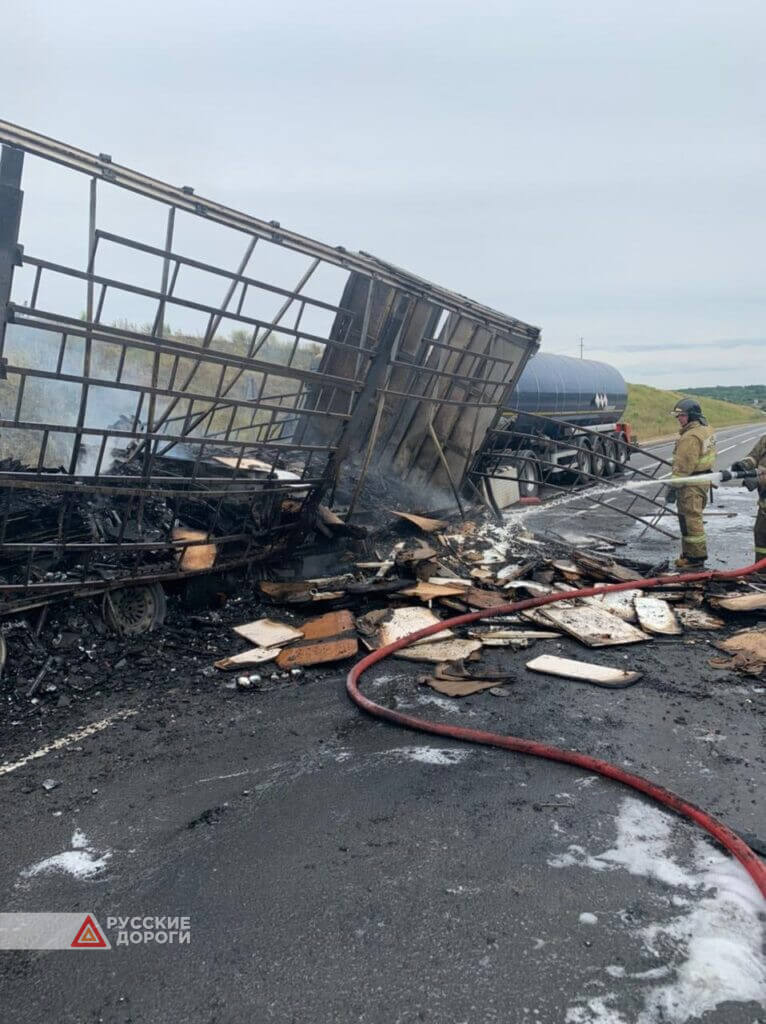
x: 690, y: 563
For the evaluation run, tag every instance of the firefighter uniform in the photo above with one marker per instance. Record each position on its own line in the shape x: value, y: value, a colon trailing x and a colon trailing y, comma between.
x: 757, y: 460
x: 694, y: 453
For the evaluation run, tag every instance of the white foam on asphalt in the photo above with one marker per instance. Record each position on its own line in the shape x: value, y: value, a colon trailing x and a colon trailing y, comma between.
x: 445, y: 703
x: 82, y: 861
x: 429, y: 755
x: 711, y: 950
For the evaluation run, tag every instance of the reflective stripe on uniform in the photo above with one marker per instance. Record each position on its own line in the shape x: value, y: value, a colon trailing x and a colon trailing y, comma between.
x: 695, y: 538
x: 760, y: 551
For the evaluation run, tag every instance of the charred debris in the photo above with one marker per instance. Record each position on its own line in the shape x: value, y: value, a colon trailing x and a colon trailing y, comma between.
x: 229, y: 485
x: 286, y: 628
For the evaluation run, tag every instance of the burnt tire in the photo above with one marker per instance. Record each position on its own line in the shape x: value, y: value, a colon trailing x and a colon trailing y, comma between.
x: 131, y: 611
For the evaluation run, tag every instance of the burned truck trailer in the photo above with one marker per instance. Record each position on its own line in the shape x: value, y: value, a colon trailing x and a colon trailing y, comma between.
x: 182, y: 384
x: 562, y: 420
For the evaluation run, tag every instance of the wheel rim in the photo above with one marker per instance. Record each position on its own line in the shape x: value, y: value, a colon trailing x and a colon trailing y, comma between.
x: 134, y: 610
x: 610, y: 458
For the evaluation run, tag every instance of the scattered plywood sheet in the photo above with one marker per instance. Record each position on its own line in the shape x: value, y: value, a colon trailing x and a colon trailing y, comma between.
x: 656, y: 616
x: 423, y: 523
x: 605, y: 569
x: 515, y: 634
x: 477, y: 598
x: 449, y: 581
x: 482, y: 575
x: 619, y: 602
x: 698, y: 618
x: 402, y: 622
x: 749, y: 650
x: 428, y: 591
x: 592, y: 626
x: 412, y: 556
x: 743, y: 603
x: 568, y: 570
x: 454, y: 649
x: 317, y: 652
x: 501, y: 641
x: 537, y: 616
x: 268, y: 632
x: 253, y: 656
x: 329, y: 637
x: 370, y: 621
x: 582, y: 671
x: 331, y: 624
x: 199, y: 556
x: 458, y: 687
x: 288, y: 592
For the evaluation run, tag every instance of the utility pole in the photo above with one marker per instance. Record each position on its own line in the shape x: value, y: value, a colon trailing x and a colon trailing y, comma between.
x: 581, y: 348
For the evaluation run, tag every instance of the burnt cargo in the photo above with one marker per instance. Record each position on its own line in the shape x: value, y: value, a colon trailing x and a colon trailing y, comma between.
x: 184, y: 383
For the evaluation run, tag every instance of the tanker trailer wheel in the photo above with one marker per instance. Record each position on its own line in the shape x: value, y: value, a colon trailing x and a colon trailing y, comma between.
x: 528, y: 473
x: 134, y: 610
x: 598, y: 459
x: 584, y: 460
x: 623, y: 453
x: 610, y: 456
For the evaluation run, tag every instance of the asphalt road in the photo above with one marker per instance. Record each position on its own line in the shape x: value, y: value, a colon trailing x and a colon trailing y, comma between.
x: 336, y: 869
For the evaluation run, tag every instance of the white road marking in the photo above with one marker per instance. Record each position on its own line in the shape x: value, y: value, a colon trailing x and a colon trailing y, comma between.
x: 64, y: 741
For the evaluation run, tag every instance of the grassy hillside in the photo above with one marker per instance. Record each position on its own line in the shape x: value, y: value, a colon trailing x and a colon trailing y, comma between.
x: 649, y: 412
x: 744, y: 394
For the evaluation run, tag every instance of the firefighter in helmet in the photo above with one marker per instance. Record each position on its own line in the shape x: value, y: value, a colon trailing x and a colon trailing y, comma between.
x: 694, y: 454
x: 757, y: 460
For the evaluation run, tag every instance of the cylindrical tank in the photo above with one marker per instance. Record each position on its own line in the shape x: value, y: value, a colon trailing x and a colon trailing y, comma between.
x: 580, y: 391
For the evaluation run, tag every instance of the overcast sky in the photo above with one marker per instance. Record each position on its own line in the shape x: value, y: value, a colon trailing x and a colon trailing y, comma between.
x: 595, y: 168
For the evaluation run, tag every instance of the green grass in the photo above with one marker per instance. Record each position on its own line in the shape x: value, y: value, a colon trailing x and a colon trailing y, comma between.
x: 649, y: 412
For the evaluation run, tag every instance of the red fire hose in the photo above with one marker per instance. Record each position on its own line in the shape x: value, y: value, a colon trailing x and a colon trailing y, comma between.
x: 725, y: 836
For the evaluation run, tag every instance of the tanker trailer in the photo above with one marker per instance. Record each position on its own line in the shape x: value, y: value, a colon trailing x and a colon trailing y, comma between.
x: 562, y: 420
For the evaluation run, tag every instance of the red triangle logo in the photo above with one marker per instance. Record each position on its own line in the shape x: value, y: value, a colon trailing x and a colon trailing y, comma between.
x: 89, y: 936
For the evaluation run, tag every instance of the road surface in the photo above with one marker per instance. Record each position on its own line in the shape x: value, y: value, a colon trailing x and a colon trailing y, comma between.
x: 337, y: 869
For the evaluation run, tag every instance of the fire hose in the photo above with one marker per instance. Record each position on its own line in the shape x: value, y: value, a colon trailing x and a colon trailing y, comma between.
x: 729, y: 839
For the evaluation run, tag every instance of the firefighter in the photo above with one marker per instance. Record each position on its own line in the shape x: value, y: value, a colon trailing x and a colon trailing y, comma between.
x: 757, y: 460
x: 694, y: 453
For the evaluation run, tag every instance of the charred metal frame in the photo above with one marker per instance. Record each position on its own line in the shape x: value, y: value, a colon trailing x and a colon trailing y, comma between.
x: 284, y: 430
x: 502, y: 450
